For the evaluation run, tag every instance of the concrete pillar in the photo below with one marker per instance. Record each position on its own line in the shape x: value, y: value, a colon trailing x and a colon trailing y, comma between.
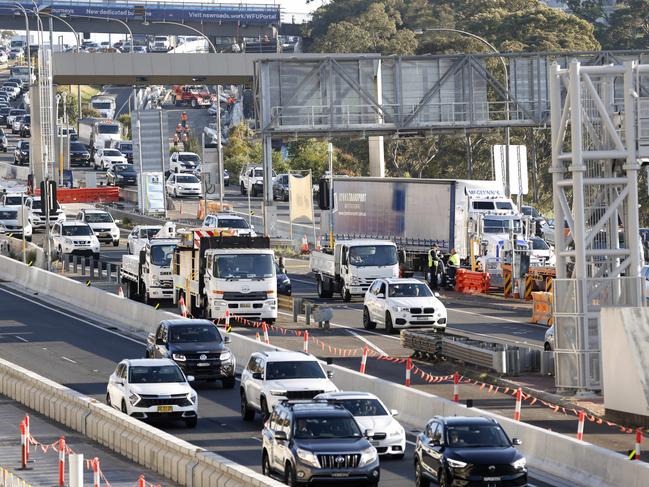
x: 377, y: 156
x: 35, y: 156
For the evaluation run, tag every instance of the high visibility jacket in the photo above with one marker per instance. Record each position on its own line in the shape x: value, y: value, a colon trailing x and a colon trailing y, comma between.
x: 433, y: 258
x: 454, y: 260
x: 183, y: 117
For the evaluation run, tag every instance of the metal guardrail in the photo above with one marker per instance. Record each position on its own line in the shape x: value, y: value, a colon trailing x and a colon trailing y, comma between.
x: 498, y: 357
x: 91, y: 268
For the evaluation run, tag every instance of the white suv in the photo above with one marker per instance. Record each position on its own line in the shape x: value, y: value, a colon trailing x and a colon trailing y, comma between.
x: 102, y: 224
x: 251, y: 179
x: 35, y: 214
x: 184, y: 162
x: 271, y: 377
x: 74, y: 238
x: 401, y: 303
x: 153, y: 388
x: 230, y: 222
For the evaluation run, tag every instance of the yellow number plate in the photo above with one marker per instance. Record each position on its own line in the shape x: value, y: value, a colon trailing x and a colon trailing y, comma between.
x: 165, y: 409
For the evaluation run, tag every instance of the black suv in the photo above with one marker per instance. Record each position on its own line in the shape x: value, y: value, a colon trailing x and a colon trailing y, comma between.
x: 198, y: 348
x: 307, y: 442
x: 126, y: 148
x: 463, y: 451
x: 21, y: 153
x: 79, y: 155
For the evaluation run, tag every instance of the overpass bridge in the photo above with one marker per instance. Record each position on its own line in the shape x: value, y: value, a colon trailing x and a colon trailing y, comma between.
x: 149, y: 17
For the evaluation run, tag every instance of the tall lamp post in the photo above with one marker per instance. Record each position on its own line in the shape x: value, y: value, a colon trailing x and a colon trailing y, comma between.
x: 507, y: 115
x: 27, y: 34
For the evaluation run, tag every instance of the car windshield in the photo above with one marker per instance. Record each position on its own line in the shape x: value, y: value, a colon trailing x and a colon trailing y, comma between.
x: 24, y: 146
x: 476, y: 436
x: 101, y: 105
x: 409, y: 290
x: 301, y: 369
x: 372, y: 255
x: 194, y: 334
x: 244, y: 266
x: 233, y: 223
x: 36, y: 205
x: 494, y: 225
x: 112, y: 153
x: 76, y: 231
x: 503, y: 205
x: 98, y: 218
x: 108, y: 129
x: 17, y: 112
x: 14, y: 200
x: 187, y: 179
x: 123, y: 147
x: 77, y: 147
x: 27, y: 119
x: 363, y: 407
x: 149, y: 233
x: 121, y: 167
x: 188, y: 158
x: 539, y: 244
x: 259, y: 173
x: 161, y: 254
x: 323, y: 428
x: 160, y: 374
x: 8, y: 214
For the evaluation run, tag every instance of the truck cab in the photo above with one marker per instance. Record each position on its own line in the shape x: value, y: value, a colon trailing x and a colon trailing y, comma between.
x: 105, y: 105
x: 147, y: 274
x: 352, y: 265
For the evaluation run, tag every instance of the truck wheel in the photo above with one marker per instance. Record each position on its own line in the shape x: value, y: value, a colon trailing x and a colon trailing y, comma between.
x: 229, y: 383
x: 388, y: 323
x: 321, y: 290
x: 346, y: 295
x: 367, y: 324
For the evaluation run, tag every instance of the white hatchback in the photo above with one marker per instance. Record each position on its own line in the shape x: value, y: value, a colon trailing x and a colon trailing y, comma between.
x: 179, y: 185
x: 402, y: 303
x: 153, y: 388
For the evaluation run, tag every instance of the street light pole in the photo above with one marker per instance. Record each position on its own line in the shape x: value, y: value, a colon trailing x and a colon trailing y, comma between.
x: 27, y: 35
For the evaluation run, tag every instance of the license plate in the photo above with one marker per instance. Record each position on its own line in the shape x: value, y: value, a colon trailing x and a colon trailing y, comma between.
x: 202, y: 364
x: 340, y: 474
x: 492, y: 479
x: 165, y: 409
x: 422, y: 318
x: 245, y: 305
x: 374, y: 442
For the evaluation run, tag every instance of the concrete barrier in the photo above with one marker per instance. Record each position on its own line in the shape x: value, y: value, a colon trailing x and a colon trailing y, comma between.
x: 8, y: 171
x: 579, y: 463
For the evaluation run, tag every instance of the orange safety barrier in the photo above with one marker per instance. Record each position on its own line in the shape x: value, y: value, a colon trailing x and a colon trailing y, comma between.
x: 542, y: 310
x: 212, y: 207
x: 470, y: 282
x: 106, y: 194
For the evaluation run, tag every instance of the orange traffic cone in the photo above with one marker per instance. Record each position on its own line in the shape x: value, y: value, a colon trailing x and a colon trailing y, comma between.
x: 305, y: 245
x: 183, y: 307
x: 120, y: 292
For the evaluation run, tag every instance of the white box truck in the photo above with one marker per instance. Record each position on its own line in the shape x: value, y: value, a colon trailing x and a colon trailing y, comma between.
x: 105, y: 105
x: 99, y: 133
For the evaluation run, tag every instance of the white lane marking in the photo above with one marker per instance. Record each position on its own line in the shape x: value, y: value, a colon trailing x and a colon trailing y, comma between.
x: 68, y: 359
x: 255, y: 438
x: 346, y: 327
x: 411, y: 443
x: 366, y: 341
x: 490, y: 316
x: 302, y: 281
x: 22, y: 339
x: 71, y: 316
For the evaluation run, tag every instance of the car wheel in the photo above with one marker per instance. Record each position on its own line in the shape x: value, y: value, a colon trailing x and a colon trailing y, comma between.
x: 289, y: 475
x: 265, y: 464
x: 547, y: 347
x: 175, y: 193
x: 191, y: 422
x: 108, y: 400
x: 346, y: 295
x: 367, y: 323
x: 115, y: 243
x: 442, y: 478
x: 388, y: 323
x: 59, y: 252
x: 420, y: 480
x: 265, y: 413
x: 124, y: 410
x: 229, y: 383
x: 247, y: 413
x: 243, y: 189
x: 128, y: 248
x: 176, y: 170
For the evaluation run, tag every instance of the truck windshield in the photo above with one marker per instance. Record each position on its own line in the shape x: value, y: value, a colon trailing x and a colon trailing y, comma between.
x: 372, y: 255
x: 244, y: 266
x: 409, y: 290
x: 303, y: 369
x: 494, y: 225
x: 194, y: 334
x: 108, y: 129
x: 8, y: 214
x: 14, y: 200
x: 324, y: 428
x: 155, y: 375
x: 504, y: 205
x: 161, y: 254
x: 101, y: 105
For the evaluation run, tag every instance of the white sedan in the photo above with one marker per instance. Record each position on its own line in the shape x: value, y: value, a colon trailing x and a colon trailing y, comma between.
x: 183, y: 185
x: 153, y: 388
x: 105, y: 158
x: 402, y: 303
x: 140, y: 236
x: 370, y: 413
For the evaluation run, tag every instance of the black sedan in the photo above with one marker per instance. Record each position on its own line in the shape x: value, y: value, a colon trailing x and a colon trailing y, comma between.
x: 280, y: 187
x: 26, y: 126
x: 4, y: 111
x: 79, y: 155
x: 121, y: 175
x: 462, y: 451
x: 21, y: 153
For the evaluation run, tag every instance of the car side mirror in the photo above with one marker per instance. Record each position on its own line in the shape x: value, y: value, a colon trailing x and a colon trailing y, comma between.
x: 281, y: 435
x: 380, y: 296
x: 227, y: 339
x: 437, y: 295
x: 369, y: 433
x: 330, y: 374
x: 190, y: 378
x: 118, y: 222
x: 394, y: 412
x: 151, y: 338
x: 258, y: 376
x: 517, y: 441
x: 159, y: 341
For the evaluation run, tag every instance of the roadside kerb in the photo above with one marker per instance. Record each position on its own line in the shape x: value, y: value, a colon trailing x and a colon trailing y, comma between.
x: 580, y: 463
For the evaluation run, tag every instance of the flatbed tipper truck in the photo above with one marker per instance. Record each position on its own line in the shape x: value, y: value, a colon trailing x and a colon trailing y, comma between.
x: 215, y: 274
x: 147, y: 274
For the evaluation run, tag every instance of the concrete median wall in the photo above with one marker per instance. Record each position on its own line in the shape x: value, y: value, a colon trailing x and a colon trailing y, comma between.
x: 578, y: 463
x: 8, y: 171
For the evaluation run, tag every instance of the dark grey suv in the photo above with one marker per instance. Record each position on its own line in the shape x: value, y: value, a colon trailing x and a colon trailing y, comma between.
x: 307, y: 442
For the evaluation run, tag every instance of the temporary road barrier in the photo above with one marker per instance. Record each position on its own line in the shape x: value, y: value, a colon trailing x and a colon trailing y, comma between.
x: 470, y: 282
x: 529, y: 287
x: 23, y: 446
x: 580, y: 425
x: 304, y: 248
x: 456, y: 387
x: 306, y: 341
x: 408, y: 369
x: 542, y: 308
x: 364, y: 360
x: 264, y: 329
x: 638, y: 444
x: 106, y: 194
x: 508, y: 284
x: 62, y: 462
x: 519, y: 401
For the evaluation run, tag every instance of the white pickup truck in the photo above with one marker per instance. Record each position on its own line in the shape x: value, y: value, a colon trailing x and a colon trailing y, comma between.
x: 147, y: 275
x: 352, y: 265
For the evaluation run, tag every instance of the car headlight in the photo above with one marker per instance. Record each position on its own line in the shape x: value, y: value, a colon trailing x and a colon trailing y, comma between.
x: 278, y: 392
x: 226, y: 356
x: 308, y: 457
x: 134, y: 398
x: 397, y: 432
x: 119, y: 176
x: 520, y: 464
x: 368, y: 456
x: 67, y: 241
x: 178, y: 357
x: 399, y: 309
x: 455, y: 463
x: 192, y: 397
